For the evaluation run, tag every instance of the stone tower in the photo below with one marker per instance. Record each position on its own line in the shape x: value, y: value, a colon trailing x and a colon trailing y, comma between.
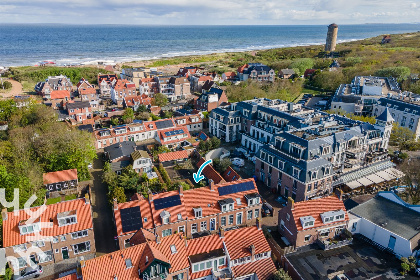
x: 384, y: 123
x: 331, y: 38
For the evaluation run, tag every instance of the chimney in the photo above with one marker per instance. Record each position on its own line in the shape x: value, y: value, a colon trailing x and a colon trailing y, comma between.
x: 259, y: 223
x: 4, y: 214
x: 291, y: 203
x: 252, y: 249
x: 115, y: 204
x: 211, y: 184
x: 181, y: 190
x: 150, y: 196
x: 222, y: 232
x: 339, y: 193
x: 87, y: 200
x: 62, y: 197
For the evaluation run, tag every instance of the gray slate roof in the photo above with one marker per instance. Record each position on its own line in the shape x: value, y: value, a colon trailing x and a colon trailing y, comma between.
x: 122, y: 149
x: 390, y: 215
x: 399, y: 105
x: 385, y: 116
x: 78, y: 105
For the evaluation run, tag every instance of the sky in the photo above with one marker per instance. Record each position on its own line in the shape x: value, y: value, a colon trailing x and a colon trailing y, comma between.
x: 213, y: 12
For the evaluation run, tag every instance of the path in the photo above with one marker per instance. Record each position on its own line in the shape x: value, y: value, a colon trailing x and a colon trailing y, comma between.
x: 15, y: 90
x: 103, y: 224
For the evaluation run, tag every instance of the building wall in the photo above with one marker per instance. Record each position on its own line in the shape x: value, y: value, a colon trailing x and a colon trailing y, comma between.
x: 347, y: 107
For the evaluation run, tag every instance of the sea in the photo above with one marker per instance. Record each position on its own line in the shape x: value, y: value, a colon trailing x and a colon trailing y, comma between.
x: 30, y: 44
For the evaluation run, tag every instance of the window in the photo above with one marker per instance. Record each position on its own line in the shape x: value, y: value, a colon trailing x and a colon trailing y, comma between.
x: 127, y: 243
x: 230, y: 219
x: 193, y: 228
x: 29, y: 229
x: 181, y: 229
x: 203, y: 226
x: 231, y: 206
x: 166, y: 232
x: 55, y: 240
x: 19, y: 248
x: 239, y: 218
x: 198, y: 212
x: 38, y: 244
x: 296, y: 172
x: 222, y: 261
x: 223, y: 221
x: 196, y: 268
x: 208, y: 264
x: 256, y: 213
x: 67, y: 221
x: 81, y: 247
x: 307, y: 237
x: 178, y: 276
x: 79, y: 234
x: 238, y: 201
x: 324, y: 233
x: 63, y: 238
x: 165, y: 220
x: 46, y: 256
x: 202, y: 266
x: 249, y: 215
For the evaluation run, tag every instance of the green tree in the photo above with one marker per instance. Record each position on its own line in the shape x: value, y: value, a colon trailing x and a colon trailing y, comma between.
x: 160, y: 99
x: 214, y: 142
x: 7, y: 108
x: 143, y: 116
x: 300, y: 65
x: 128, y: 115
x: 405, y: 266
x: 129, y: 178
x: 117, y: 193
x: 141, y: 108
x: 154, y: 117
x: 281, y: 274
x: 6, y: 85
x: 329, y: 80
x: 411, y: 178
x: 115, y: 121
x: 400, y: 72
x: 402, y: 137
x: 202, y: 145
x: 221, y: 165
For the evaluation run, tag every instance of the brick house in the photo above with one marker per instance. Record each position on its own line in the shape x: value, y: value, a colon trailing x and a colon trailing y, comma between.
x: 173, y: 137
x: 88, y: 94
x: 194, y: 123
x: 180, y: 86
x: 231, y: 175
x: 79, y: 110
x: 148, y: 86
x: 303, y: 223
x: 56, y: 236
x: 187, y: 71
x: 122, y: 89
x: 197, y: 82
x: 229, y: 76
x: 257, y: 72
x: 53, y: 83
x: 57, y: 98
x: 194, y: 212
x: 237, y: 254
x: 134, y: 102
x: 211, y: 100
x: 83, y: 84
x: 60, y: 180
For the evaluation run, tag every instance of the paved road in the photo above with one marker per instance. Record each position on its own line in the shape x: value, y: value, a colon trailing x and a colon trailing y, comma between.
x: 103, y: 224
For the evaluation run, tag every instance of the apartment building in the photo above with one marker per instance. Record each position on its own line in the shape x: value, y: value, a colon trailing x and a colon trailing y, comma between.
x: 106, y: 82
x: 53, y: 235
x: 194, y: 212
x: 237, y: 254
x: 302, y: 153
x: 121, y: 90
x: 79, y: 110
x: 135, y: 75
x: 257, y: 72
x: 60, y: 82
x: 362, y: 93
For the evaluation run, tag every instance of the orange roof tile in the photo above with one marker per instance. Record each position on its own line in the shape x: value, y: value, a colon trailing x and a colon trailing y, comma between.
x: 90, y: 90
x: 162, y: 135
x: 60, y: 176
x: 60, y: 94
x: 204, y: 244
x: 141, y: 236
x: 205, y: 78
x: 200, y: 274
x: 174, y: 210
x: 264, y: 269
x: 230, y: 175
x: 72, y: 276
x: 316, y: 207
x: 238, y: 242
x: 144, y: 210
x: 173, y: 156
x: 11, y: 233
x: 210, y: 173
x: 178, y: 260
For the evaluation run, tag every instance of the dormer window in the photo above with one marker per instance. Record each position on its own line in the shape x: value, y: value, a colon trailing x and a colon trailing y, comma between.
x: 165, y: 215
x: 307, y: 221
x: 67, y: 218
x: 281, y: 164
x: 238, y: 201
x: 333, y: 216
x: 226, y: 204
x: 179, y: 216
x: 198, y: 212
x: 252, y: 199
x: 296, y: 172
x: 314, y: 175
x: 26, y: 228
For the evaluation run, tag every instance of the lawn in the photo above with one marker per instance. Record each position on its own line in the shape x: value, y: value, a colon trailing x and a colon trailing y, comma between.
x: 58, y: 199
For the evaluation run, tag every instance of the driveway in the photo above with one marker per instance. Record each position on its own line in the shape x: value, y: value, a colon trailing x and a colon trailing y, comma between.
x: 103, y: 224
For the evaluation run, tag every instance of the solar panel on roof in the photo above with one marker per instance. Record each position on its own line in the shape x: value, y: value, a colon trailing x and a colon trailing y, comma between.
x: 166, y: 202
x: 164, y: 124
x: 241, y: 187
x: 203, y: 137
x: 131, y: 219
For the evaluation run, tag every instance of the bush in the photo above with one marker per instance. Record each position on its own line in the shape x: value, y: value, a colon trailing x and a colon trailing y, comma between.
x: 164, y: 174
x: 399, y: 72
x: 6, y: 85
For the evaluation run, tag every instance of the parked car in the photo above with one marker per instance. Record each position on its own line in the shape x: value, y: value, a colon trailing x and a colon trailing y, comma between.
x: 224, y: 155
x: 266, y: 211
x: 29, y: 273
x: 238, y: 162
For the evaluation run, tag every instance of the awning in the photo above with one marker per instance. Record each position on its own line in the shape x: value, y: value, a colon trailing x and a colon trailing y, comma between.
x: 385, y: 175
x: 365, y: 181
x: 395, y: 172
x: 375, y: 178
x: 353, y: 185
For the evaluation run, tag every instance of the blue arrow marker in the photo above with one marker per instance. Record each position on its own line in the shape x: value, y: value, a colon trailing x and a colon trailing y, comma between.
x: 197, y: 176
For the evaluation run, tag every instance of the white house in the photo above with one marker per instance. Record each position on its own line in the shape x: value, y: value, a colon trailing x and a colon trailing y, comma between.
x: 141, y: 161
x: 389, y: 222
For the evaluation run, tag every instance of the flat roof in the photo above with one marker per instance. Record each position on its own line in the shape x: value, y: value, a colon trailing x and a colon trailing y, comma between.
x: 392, y: 216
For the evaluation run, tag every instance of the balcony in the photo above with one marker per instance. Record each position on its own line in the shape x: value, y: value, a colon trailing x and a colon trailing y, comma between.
x: 343, y: 239
x: 225, y: 273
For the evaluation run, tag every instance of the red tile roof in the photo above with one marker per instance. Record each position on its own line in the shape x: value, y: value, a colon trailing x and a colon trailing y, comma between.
x: 132, y: 100
x: 230, y: 74
x: 60, y: 94
x: 242, y: 68
x: 113, y: 264
x: 238, y: 242
x: 205, y: 78
x: 210, y: 173
x: 200, y: 274
x: 162, y: 135
x: 90, y: 90
x: 144, y: 210
x: 264, y: 269
x: 173, y: 156
x: 230, y: 175
x: 72, y: 276
x: 316, y: 207
x: 11, y: 233
x: 60, y: 176
x: 83, y: 81
x: 141, y: 236
x: 204, y: 244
